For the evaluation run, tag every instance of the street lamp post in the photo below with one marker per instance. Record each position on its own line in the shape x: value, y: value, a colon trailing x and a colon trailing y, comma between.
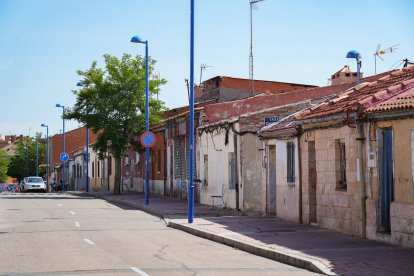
x: 80, y: 84
x: 27, y: 161
x: 355, y: 54
x: 37, y: 156
x: 47, y: 156
x: 137, y: 39
x: 191, y: 155
x: 64, y: 146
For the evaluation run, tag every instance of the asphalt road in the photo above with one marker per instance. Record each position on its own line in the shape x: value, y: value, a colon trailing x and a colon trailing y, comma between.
x: 55, y: 234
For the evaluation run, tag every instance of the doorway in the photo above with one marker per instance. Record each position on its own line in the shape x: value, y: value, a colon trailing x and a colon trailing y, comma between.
x: 312, y: 181
x: 386, y: 180
x: 271, y: 182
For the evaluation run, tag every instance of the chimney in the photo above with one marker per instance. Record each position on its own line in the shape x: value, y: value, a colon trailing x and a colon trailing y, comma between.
x: 345, y: 75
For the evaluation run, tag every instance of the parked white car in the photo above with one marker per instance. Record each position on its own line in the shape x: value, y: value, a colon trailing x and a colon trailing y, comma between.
x: 33, y: 183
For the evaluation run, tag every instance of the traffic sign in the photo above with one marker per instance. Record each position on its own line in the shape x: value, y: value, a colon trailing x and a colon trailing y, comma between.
x: 64, y: 157
x: 148, y: 139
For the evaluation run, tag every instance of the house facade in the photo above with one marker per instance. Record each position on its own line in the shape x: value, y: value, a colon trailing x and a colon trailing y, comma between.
x: 348, y: 152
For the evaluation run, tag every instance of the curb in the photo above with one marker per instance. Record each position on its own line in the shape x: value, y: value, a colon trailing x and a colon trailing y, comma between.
x: 141, y: 207
x: 276, y: 255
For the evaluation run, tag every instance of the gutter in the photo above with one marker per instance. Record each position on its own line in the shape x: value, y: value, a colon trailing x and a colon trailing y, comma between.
x: 363, y: 193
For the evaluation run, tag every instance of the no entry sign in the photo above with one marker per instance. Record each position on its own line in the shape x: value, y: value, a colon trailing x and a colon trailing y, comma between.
x: 148, y: 139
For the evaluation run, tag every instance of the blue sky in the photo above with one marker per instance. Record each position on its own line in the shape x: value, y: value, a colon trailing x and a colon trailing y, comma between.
x: 44, y: 42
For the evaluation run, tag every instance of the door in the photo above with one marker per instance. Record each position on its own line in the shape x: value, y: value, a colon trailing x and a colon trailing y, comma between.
x: 312, y: 181
x: 386, y: 180
x: 271, y: 182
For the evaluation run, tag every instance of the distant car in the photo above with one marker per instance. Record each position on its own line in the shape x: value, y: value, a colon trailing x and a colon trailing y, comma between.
x: 33, y: 183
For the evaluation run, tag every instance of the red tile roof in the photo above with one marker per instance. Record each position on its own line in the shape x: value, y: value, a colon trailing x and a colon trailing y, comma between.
x: 402, y: 101
x: 350, y: 100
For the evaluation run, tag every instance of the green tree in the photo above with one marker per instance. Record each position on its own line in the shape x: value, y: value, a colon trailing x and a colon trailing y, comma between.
x: 112, y: 104
x: 4, y: 164
x: 25, y: 157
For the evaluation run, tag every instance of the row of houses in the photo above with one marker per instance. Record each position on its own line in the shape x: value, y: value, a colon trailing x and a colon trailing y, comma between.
x: 340, y: 156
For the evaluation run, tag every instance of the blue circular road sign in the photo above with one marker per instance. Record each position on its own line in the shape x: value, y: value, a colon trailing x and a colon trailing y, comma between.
x: 148, y: 139
x: 64, y: 157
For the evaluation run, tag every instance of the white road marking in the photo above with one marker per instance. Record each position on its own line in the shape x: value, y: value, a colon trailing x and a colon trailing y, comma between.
x: 60, y: 205
x: 73, y: 213
x: 139, y: 271
x: 88, y: 241
x: 77, y: 224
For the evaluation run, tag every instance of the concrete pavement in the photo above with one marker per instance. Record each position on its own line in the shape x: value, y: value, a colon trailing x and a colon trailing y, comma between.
x: 313, y: 248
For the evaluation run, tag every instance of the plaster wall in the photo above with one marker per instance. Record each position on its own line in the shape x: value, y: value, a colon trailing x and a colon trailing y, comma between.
x: 214, y: 187
x: 287, y: 193
x: 253, y: 190
x: 402, y: 208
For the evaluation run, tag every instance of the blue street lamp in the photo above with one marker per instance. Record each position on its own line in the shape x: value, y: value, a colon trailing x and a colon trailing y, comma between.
x: 191, y: 169
x: 64, y: 146
x: 137, y: 39
x: 81, y: 84
x: 355, y: 54
x: 27, y: 161
x: 37, y: 156
x: 47, y: 156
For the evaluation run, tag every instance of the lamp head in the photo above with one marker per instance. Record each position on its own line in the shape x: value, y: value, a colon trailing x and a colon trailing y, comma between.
x: 137, y: 39
x: 59, y: 105
x: 80, y: 84
x: 43, y: 125
x: 353, y: 54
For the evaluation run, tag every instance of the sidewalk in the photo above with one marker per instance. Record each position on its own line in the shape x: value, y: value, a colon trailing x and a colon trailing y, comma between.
x: 313, y: 248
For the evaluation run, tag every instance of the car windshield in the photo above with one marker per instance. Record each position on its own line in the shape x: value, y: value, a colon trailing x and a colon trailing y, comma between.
x: 35, y: 180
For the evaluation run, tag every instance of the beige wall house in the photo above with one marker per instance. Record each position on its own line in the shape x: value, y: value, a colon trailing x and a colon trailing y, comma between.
x: 390, y: 166
x: 356, y: 160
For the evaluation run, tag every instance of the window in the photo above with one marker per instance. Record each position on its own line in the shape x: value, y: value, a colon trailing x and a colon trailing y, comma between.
x: 99, y: 169
x: 109, y: 165
x: 73, y: 171
x: 93, y: 169
x: 232, y: 171
x: 182, y: 128
x: 159, y: 161
x: 290, y: 153
x: 205, y: 169
x: 340, y: 164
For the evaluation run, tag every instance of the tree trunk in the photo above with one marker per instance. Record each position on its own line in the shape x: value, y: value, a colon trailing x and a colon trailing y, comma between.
x: 117, y: 184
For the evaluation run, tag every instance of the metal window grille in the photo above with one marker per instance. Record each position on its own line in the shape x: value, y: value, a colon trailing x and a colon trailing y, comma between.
x: 290, y: 148
x: 340, y: 164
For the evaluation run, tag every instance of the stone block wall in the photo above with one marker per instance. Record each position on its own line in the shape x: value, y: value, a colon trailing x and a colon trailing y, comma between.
x: 336, y: 209
x: 402, y: 224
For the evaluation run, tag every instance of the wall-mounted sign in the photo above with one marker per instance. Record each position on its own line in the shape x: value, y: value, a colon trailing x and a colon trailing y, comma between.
x: 270, y: 120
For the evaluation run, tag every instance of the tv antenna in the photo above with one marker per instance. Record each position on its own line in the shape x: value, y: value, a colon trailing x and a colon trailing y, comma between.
x: 203, y: 67
x: 252, y: 5
x: 379, y: 52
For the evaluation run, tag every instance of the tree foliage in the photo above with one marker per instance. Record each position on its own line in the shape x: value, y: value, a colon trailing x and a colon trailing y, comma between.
x: 112, y: 103
x: 4, y: 164
x: 25, y: 157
